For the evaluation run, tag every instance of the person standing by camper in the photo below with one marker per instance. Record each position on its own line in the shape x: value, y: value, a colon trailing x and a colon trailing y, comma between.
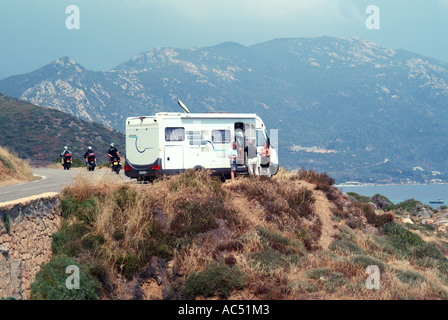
x: 251, y: 152
x: 265, y: 155
x: 232, y: 157
x: 239, y: 141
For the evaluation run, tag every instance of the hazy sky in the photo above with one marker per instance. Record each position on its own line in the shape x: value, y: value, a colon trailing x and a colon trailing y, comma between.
x: 34, y: 32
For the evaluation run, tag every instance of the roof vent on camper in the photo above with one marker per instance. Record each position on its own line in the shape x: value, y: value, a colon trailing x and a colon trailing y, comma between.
x: 183, y: 106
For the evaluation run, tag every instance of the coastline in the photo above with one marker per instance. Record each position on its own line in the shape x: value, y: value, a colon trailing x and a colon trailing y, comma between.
x: 427, y: 193
x: 389, y: 184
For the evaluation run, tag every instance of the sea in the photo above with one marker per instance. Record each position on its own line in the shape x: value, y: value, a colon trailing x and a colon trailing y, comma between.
x: 399, y: 193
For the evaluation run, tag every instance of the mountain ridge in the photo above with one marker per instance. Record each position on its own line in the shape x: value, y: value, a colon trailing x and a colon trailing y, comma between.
x: 39, y: 134
x: 363, y: 100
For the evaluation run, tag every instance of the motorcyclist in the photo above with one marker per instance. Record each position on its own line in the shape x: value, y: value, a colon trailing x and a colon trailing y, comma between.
x: 90, y: 154
x: 65, y: 153
x: 113, y: 153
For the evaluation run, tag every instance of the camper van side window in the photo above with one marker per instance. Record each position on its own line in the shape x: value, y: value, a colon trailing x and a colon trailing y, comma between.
x: 174, y: 134
x: 221, y: 136
x: 196, y: 138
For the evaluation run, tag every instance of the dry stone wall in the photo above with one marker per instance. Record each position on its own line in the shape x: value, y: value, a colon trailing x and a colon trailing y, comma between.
x: 26, y: 228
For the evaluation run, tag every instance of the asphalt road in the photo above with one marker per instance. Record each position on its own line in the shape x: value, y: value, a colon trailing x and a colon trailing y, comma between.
x: 50, y: 180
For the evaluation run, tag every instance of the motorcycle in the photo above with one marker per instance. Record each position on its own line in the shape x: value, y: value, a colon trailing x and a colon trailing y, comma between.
x: 116, y: 165
x: 91, y: 163
x: 67, y: 162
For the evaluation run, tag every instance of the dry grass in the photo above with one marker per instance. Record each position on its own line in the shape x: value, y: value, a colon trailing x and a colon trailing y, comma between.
x: 13, y: 169
x: 285, y: 235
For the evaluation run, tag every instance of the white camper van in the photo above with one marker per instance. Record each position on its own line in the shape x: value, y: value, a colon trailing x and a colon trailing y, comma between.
x: 169, y: 143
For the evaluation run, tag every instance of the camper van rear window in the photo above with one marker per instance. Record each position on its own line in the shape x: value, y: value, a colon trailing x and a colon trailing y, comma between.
x: 174, y: 134
x: 221, y: 136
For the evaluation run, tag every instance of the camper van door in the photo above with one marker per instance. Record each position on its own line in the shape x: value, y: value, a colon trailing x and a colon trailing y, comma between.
x: 174, y: 157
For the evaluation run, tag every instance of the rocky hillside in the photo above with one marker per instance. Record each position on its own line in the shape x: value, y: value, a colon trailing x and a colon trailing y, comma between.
x: 13, y: 169
x: 40, y: 134
x: 349, y: 107
x: 294, y: 236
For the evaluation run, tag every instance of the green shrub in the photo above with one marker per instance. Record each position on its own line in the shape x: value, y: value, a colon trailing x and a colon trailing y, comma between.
x: 401, y: 236
x: 84, y: 210
x: 301, y: 286
x: 194, y: 217
x: 129, y: 265
x: 124, y: 197
x: 421, y: 227
x: 358, y: 198
x: 273, y: 237
x: 331, y: 280
x: 378, y: 220
x: 60, y: 240
x: 7, y: 223
x: 318, y: 273
x: 346, y: 233
x: 76, y: 163
x: 198, y: 180
x: 279, y: 243
x: 118, y: 234
x: 382, y: 202
x: 322, y: 180
x: 428, y: 251
x: 186, y: 180
x: 390, y: 247
x: 105, y: 164
x: 410, y: 277
x: 335, y: 280
x: 68, y: 240
x: 217, y: 278
x: 92, y: 241
x: 68, y: 206
x: 50, y: 282
x: 410, y: 206
x: 300, y: 201
x: 161, y: 246
x: 7, y: 164
x: 271, y: 259
x: 346, y: 247
x: 366, y: 261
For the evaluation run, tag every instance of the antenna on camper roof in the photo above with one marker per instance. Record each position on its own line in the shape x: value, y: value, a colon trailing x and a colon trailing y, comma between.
x: 183, y: 106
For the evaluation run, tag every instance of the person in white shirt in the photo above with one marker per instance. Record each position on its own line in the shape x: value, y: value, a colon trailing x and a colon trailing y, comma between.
x: 232, y: 157
x: 251, y: 151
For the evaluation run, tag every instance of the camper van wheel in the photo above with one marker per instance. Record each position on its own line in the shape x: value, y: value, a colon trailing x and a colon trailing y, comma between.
x: 198, y: 168
x: 145, y: 180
